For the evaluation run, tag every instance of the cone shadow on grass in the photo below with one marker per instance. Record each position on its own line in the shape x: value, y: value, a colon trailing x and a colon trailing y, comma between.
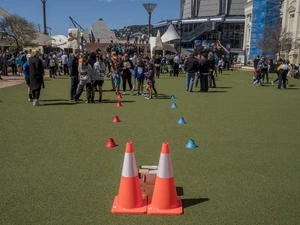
x: 193, y: 201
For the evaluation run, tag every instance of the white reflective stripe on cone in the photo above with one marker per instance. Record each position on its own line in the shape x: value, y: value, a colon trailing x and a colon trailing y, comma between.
x: 129, y: 166
x: 165, y: 169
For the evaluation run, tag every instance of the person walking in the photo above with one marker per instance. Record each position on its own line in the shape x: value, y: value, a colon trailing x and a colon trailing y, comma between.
x: 191, y: 67
x: 85, y: 73
x: 36, y: 72
x: 74, y: 75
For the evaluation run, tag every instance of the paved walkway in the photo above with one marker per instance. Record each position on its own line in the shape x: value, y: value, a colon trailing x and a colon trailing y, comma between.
x: 8, y: 81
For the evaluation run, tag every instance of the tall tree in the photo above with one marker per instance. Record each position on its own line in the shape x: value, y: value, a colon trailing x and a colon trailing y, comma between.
x: 276, y: 41
x: 18, y: 31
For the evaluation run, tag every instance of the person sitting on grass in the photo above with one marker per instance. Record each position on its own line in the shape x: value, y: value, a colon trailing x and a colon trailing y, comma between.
x: 139, y: 74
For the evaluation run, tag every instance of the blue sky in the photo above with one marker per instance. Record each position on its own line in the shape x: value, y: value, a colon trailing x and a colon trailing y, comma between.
x: 115, y: 13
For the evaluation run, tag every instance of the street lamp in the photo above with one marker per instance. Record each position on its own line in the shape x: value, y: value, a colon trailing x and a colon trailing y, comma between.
x: 44, y: 15
x: 179, y: 25
x: 149, y: 8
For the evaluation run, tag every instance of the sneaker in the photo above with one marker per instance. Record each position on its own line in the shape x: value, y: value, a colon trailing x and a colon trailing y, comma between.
x: 88, y: 102
x: 148, y: 97
x: 36, y: 102
x: 124, y: 93
x: 138, y: 94
x: 30, y: 99
x: 74, y: 101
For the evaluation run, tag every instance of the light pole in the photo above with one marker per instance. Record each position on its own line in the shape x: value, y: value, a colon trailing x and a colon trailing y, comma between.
x: 149, y: 8
x: 179, y: 25
x: 44, y: 15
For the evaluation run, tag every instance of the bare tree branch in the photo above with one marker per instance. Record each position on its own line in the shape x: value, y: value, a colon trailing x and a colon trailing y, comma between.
x: 18, y: 31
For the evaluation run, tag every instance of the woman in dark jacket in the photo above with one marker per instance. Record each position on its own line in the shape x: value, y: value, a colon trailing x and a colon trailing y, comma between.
x: 36, y: 71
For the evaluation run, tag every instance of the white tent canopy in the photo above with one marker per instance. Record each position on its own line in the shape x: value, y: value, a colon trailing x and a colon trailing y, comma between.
x: 170, y: 34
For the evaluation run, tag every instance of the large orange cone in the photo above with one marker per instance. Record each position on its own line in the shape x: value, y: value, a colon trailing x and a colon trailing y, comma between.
x: 110, y: 143
x: 165, y: 200
x: 119, y: 104
x: 129, y: 199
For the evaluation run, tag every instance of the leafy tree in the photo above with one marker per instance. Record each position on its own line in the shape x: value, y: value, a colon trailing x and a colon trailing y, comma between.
x: 18, y: 31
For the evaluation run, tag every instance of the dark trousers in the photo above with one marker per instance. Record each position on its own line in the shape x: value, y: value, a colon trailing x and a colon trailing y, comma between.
x: 157, y: 71
x: 36, y: 93
x: 154, y: 89
x: 212, y: 81
x: 74, y: 85
x: 265, y: 74
x: 204, y: 82
x: 176, y: 69
x: 66, y: 69
x: 14, y: 69
x: 282, y: 79
x: 88, y: 91
x: 126, y: 78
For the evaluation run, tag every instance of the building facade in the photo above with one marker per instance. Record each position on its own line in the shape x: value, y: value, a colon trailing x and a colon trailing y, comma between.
x: 209, y: 20
x: 287, y: 17
x: 291, y: 23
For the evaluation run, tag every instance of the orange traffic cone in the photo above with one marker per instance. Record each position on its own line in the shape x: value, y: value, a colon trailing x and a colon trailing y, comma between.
x: 110, y: 143
x: 119, y: 104
x: 165, y: 200
x: 129, y: 199
x: 116, y: 119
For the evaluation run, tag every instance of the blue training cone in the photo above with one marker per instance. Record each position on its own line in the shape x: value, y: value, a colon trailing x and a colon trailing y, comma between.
x: 174, y: 106
x: 181, y: 121
x: 191, y: 144
x: 172, y: 96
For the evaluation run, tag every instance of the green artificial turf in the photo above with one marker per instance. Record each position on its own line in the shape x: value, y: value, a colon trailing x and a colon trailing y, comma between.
x: 55, y: 169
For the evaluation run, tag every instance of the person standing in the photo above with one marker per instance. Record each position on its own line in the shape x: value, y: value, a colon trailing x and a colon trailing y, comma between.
x: 98, y: 76
x: 191, y: 67
x: 176, y: 61
x: 74, y: 75
x: 27, y: 76
x: 65, y: 62
x: 36, y: 72
x: 283, y: 70
x: 127, y: 73
x: 211, y: 78
x: 204, y: 67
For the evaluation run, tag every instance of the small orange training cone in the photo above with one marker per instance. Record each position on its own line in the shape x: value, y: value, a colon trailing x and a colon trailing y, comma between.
x: 165, y: 200
x: 119, y: 96
x: 116, y: 119
x: 119, y: 104
x: 129, y: 199
x: 110, y: 143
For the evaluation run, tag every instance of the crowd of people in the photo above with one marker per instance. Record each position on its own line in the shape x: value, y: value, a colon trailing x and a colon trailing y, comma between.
x: 283, y: 70
x: 125, y: 66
